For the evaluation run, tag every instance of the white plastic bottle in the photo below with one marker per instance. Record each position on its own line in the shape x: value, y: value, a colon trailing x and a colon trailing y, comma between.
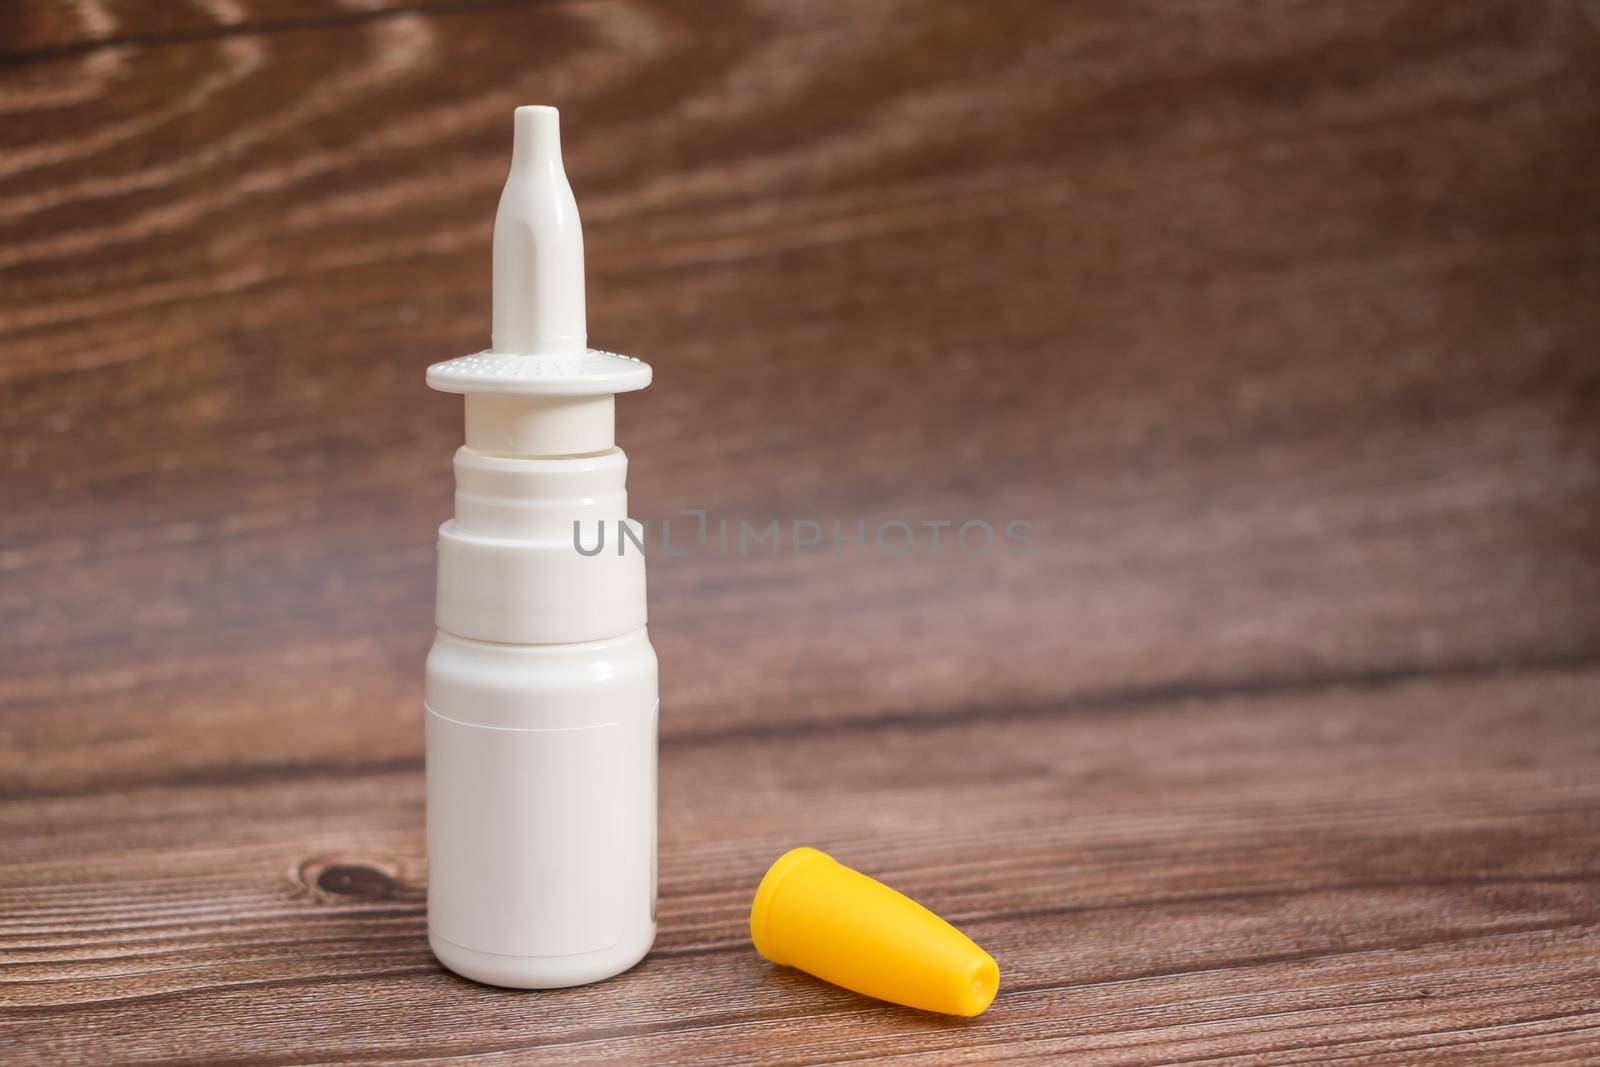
x: 541, y: 685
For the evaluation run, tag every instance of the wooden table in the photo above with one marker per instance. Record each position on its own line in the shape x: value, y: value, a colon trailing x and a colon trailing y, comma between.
x: 1278, y: 322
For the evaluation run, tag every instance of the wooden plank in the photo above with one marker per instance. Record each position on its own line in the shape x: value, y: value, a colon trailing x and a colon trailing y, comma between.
x: 33, y: 31
x: 1390, y: 869
x: 1294, y: 379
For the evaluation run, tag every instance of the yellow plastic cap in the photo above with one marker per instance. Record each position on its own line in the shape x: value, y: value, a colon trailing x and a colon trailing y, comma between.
x: 814, y: 913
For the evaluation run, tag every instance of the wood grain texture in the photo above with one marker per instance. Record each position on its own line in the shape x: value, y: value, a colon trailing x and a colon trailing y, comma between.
x: 1277, y: 321
x: 1395, y: 868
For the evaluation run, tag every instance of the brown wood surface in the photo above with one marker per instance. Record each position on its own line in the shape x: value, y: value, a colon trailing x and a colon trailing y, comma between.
x: 1279, y: 321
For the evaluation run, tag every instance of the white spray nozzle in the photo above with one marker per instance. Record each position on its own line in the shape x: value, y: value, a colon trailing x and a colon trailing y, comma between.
x: 538, y: 246
x: 539, y: 390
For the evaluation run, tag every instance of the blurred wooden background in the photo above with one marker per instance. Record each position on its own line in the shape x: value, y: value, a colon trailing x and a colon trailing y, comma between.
x: 1278, y: 321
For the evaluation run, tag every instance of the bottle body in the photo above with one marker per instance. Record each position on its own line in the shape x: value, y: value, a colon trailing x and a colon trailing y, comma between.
x: 541, y: 777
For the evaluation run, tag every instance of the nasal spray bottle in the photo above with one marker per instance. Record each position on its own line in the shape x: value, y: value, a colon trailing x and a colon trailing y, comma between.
x: 541, y: 685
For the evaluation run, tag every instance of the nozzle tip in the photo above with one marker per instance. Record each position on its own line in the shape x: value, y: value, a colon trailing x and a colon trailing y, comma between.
x: 536, y: 135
